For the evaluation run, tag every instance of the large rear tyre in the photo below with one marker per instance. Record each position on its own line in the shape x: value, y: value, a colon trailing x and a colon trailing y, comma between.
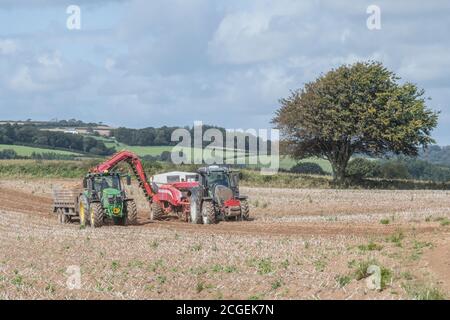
x: 156, y: 212
x: 208, y: 213
x: 83, y: 208
x: 245, y: 210
x: 195, y: 216
x: 131, y: 211
x: 96, y: 215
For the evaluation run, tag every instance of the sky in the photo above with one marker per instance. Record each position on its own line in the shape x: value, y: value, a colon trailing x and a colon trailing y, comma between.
x: 141, y: 63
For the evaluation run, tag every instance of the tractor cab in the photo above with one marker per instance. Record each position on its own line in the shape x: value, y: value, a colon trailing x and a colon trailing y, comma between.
x: 213, y: 176
x: 107, y: 189
x: 103, y: 184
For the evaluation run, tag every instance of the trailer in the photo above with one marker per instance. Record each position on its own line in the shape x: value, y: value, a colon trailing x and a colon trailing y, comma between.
x: 65, y: 204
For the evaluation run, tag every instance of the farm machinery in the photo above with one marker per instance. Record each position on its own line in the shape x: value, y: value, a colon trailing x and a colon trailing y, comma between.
x: 103, y: 197
x: 208, y: 196
x: 217, y: 197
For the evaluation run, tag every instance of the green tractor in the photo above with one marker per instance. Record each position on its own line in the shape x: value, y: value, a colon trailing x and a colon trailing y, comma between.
x: 105, y: 198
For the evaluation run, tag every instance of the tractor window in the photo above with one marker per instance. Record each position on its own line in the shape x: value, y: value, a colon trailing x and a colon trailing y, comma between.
x: 218, y: 178
x: 234, y: 180
x: 101, y: 183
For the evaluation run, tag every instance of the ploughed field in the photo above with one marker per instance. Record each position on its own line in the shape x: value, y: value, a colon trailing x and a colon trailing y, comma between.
x: 301, y: 243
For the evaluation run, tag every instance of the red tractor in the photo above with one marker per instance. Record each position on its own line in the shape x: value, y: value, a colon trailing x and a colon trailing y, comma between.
x: 217, y: 197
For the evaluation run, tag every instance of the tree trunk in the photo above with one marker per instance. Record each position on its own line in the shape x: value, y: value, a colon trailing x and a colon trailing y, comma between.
x: 339, y: 155
x: 339, y: 166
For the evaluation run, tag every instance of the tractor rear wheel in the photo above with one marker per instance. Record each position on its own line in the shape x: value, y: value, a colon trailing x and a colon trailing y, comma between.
x: 208, y: 213
x: 245, y: 210
x: 62, y: 218
x: 156, y: 212
x: 97, y: 215
x: 131, y: 211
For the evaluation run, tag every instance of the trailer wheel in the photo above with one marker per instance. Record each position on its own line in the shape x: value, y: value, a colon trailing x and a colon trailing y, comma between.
x: 156, y: 212
x: 245, y: 210
x: 96, y: 215
x: 131, y: 211
x: 59, y: 214
x: 208, y: 213
x: 62, y: 218
x: 82, y: 211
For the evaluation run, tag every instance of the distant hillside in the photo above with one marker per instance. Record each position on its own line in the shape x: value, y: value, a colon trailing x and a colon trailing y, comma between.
x: 436, y: 155
x: 32, y: 135
x: 53, y: 123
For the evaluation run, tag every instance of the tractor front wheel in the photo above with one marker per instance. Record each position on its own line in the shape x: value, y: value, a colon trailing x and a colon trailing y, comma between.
x: 97, y: 215
x: 245, y: 210
x: 208, y: 213
x: 156, y: 212
x: 195, y: 215
x: 131, y: 211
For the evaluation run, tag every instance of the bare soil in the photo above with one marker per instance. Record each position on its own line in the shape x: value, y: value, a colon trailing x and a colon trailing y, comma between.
x: 300, y: 244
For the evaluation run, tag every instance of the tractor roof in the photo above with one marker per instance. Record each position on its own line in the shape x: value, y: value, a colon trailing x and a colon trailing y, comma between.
x: 103, y: 174
x: 209, y: 169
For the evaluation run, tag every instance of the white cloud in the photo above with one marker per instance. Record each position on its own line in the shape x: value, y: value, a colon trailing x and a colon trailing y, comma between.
x: 7, y: 46
x: 22, y: 81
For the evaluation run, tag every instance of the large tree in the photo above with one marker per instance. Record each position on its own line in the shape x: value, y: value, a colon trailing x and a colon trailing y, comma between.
x: 360, y: 108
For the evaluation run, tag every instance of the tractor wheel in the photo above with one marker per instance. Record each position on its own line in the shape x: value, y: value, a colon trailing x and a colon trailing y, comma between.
x: 156, y: 212
x: 245, y: 210
x: 83, y: 208
x: 208, y: 213
x: 131, y: 211
x: 195, y: 215
x: 96, y: 215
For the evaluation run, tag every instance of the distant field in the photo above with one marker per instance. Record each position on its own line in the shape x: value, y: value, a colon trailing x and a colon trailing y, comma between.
x: 286, y: 162
x: 27, y: 151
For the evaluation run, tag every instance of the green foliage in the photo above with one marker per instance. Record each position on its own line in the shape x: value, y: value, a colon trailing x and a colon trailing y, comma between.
x: 423, y: 170
x: 436, y: 155
x: 265, y: 266
x: 371, y: 246
x: 307, y: 168
x: 394, y: 170
x: 419, y: 291
x: 397, y: 168
x: 359, y: 108
x: 343, y: 280
x: 8, y: 154
x: 396, y: 238
x: 360, y: 168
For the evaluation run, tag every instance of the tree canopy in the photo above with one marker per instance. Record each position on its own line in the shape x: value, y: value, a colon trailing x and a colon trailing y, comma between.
x: 360, y: 108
